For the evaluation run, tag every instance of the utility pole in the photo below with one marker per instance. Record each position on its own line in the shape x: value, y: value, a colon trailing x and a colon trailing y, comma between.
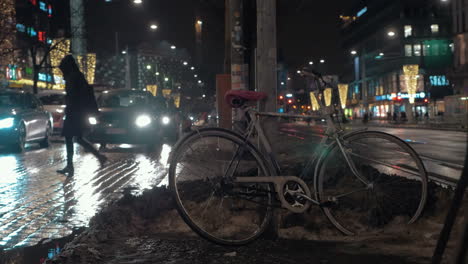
x: 266, y: 77
x: 266, y: 53
x: 78, y: 32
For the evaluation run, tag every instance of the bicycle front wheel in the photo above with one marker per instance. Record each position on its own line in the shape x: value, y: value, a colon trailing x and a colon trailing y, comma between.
x: 202, y: 176
x: 390, y: 185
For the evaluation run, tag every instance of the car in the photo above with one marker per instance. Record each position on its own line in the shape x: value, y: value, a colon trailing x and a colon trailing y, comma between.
x: 23, y: 120
x: 127, y: 116
x: 54, y: 102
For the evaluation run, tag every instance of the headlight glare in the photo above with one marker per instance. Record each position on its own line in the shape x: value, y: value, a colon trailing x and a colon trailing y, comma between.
x: 7, y: 122
x: 143, y: 121
x: 92, y: 121
x: 165, y: 120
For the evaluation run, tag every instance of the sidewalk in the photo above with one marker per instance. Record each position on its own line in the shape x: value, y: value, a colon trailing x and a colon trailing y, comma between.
x: 416, y: 125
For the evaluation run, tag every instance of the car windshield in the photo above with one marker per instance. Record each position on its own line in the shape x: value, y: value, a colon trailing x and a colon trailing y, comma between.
x: 53, y: 99
x: 11, y: 100
x: 124, y: 99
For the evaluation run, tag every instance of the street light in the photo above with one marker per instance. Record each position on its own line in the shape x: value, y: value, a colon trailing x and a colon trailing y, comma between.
x: 322, y: 61
x: 199, y: 22
x: 199, y: 81
x: 391, y: 33
x: 196, y: 75
x: 154, y: 26
x: 137, y: 2
x: 353, y: 52
x: 311, y: 62
x: 185, y: 63
x: 381, y: 54
x: 157, y: 73
x: 173, y: 47
x: 124, y: 52
x: 166, y: 79
x: 148, y: 67
x: 192, y: 68
x: 298, y: 71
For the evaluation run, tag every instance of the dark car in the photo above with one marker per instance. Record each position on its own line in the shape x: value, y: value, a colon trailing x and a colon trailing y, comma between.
x: 23, y: 120
x: 126, y: 117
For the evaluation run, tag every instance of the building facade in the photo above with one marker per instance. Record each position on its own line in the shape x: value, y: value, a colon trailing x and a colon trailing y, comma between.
x: 29, y: 38
x: 399, y: 54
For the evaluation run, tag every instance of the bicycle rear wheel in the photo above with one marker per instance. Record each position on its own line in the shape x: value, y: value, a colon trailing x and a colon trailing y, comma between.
x: 201, y: 175
x: 393, y: 184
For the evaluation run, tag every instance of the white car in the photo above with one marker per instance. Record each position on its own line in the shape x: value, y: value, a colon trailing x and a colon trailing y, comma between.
x: 54, y: 102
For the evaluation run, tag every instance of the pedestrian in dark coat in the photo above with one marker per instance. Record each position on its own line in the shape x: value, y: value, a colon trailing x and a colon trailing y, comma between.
x: 80, y: 105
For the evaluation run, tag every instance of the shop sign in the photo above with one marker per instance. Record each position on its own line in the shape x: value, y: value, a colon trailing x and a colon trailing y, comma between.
x: 438, y: 80
x: 398, y: 96
x: 45, y: 77
x: 13, y: 73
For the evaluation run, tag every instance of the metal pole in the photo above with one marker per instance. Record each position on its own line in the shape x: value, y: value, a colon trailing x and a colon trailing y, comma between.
x: 77, y: 22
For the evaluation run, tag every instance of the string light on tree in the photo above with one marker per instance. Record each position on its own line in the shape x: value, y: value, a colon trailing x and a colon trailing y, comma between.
x: 411, y: 72
x: 343, y: 91
x: 328, y: 96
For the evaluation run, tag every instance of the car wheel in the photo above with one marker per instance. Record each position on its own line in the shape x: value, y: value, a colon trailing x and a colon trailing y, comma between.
x: 21, y: 143
x: 45, y: 143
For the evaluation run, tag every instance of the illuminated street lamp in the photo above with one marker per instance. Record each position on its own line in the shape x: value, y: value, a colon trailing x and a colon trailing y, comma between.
x: 154, y: 26
x: 185, y: 63
x: 381, y: 54
x: 199, y: 81
x: 353, y: 52
x: 173, y: 47
x: 322, y: 61
x: 192, y: 68
x: 298, y: 71
x: 311, y: 62
x: 157, y: 73
x: 196, y: 75
x: 166, y: 79
x: 148, y: 67
x: 124, y: 52
x: 391, y: 33
x: 199, y: 22
x: 137, y: 2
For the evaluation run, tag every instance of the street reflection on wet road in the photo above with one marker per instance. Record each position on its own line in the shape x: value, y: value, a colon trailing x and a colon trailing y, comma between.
x: 38, y: 203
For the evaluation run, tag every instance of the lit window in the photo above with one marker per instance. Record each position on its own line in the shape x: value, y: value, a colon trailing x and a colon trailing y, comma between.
x: 408, y: 31
x: 417, y: 49
x: 435, y: 28
x: 408, y: 51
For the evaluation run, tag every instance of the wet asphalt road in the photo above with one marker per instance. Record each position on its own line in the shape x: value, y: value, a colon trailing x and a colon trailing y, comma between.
x: 37, y: 203
x: 442, y: 152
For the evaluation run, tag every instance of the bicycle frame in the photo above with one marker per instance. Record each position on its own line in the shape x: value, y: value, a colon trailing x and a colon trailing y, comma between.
x: 332, y: 133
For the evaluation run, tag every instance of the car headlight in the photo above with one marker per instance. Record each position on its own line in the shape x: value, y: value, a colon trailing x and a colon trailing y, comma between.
x: 7, y: 122
x: 143, y: 121
x: 92, y: 121
x: 165, y: 120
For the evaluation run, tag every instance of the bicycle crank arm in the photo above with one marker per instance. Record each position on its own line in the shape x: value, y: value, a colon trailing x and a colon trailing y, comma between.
x: 280, y: 183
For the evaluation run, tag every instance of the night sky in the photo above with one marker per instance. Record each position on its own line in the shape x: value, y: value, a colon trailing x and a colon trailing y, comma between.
x: 307, y: 29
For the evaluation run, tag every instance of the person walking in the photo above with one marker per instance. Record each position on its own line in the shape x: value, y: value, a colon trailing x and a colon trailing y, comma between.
x: 80, y: 105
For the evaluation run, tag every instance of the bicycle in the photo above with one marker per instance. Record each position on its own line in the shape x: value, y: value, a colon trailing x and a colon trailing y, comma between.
x: 225, y: 187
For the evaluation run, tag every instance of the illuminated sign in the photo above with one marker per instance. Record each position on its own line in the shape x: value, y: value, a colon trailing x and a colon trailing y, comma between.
x: 45, y: 77
x: 438, y: 80
x: 13, y: 72
x: 20, y: 27
x: 43, y: 6
x: 398, y: 96
x: 362, y: 12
